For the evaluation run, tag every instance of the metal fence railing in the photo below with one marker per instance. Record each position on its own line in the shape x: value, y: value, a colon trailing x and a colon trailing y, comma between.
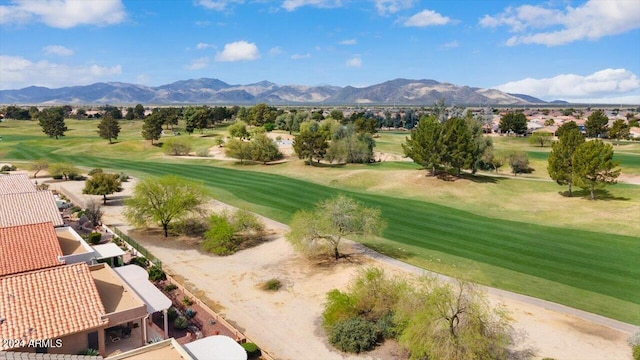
x: 139, y: 248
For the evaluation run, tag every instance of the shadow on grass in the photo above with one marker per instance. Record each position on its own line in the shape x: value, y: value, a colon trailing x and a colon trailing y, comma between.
x: 482, y: 179
x: 601, y: 194
x: 317, y: 164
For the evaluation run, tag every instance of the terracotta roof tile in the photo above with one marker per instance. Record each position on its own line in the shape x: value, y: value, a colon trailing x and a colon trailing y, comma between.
x: 29, y: 208
x: 49, y: 303
x: 28, y: 247
x: 13, y: 184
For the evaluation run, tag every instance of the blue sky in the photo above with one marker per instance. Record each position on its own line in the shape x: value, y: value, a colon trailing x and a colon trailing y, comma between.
x: 559, y: 49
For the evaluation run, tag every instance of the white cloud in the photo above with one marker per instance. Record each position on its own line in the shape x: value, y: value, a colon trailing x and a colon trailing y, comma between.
x: 238, y: 51
x: 591, y: 21
x: 392, y: 6
x: 275, y: 51
x: 63, y: 14
x: 348, y: 42
x: 427, y: 18
x: 217, y: 5
x: 355, y: 61
x: 603, y: 84
x: 300, y: 56
x: 198, y: 64
x: 202, y: 46
x: 57, y: 50
x: 451, y: 44
x: 203, y: 23
x: 291, y: 5
x: 18, y: 72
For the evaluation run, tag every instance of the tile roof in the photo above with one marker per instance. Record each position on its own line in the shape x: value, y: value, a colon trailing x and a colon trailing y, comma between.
x: 28, y: 247
x: 49, y: 303
x: 29, y: 208
x: 13, y: 184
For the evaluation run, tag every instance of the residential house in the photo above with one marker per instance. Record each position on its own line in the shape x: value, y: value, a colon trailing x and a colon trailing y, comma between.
x: 29, y: 208
x: 15, y: 183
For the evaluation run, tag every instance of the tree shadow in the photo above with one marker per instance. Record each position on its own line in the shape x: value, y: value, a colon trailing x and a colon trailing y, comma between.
x: 600, y: 194
x: 482, y: 179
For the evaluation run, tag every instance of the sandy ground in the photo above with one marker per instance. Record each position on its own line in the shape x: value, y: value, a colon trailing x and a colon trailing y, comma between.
x: 287, y: 323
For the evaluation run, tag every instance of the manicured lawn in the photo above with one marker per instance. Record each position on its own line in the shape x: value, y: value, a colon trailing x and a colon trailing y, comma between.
x: 593, y: 270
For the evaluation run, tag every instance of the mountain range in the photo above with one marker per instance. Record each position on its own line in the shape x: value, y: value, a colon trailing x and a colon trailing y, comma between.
x: 214, y: 91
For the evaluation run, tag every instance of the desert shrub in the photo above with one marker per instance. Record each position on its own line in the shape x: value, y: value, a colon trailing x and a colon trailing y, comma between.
x: 170, y: 287
x: 340, y: 306
x: 57, y: 177
x: 8, y: 168
x: 172, y: 314
x: 269, y: 126
x: 246, y: 221
x: 156, y: 273
x: 94, y: 212
x: 94, y: 238
x: 190, y: 313
x: 186, y: 301
x: 634, y: 340
x: 272, y: 285
x: 177, y: 146
x: 202, y: 152
x: 77, y: 177
x: 251, y: 349
x: 636, y: 352
x: 180, y: 323
x: 140, y: 261
x: 95, y: 171
x: 386, y: 327
x: 354, y: 335
x: 124, y: 177
x: 219, y: 238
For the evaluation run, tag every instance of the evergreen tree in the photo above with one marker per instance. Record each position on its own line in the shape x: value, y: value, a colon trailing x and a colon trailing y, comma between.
x: 152, y: 127
x: 560, y: 163
x: 425, y: 144
x: 458, y: 144
x: 109, y: 128
x: 513, y: 122
x: 139, y: 111
x: 52, y: 122
x: 594, y: 166
x: 311, y: 143
x: 596, y: 124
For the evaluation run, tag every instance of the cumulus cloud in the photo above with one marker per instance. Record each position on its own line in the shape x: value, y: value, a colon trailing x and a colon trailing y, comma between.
x: 355, y: 61
x: 57, y: 50
x: 202, y: 46
x: 291, y: 5
x: 603, y: 84
x: 217, y: 5
x: 238, y: 51
x: 385, y: 7
x: 198, y: 64
x: 590, y: 21
x: 63, y: 14
x: 18, y: 72
x: 427, y: 18
x: 348, y: 42
x: 300, y: 56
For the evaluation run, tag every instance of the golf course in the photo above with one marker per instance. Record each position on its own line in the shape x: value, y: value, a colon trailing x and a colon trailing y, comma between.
x: 515, y: 233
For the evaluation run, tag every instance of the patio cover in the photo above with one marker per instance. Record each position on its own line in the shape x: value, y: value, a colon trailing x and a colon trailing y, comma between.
x: 138, y: 279
x: 217, y: 347
x: 106, y: 251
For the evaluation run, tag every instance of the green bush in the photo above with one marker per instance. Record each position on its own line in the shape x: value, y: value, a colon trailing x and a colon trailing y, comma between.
x: 177, y: 146
x: 156, y: 274
x: 95, y: 171
x: 636, y: 352
x: 8, y: 168
x: 94, y: 238
x: 190, y: 313
x: 340, y: 306
x: 272, y: 285
x: 251, y: 349
x: 170, y: 287
x: 180, y: 323
x: 186, y: 301
x: 172, y: 314
x: 269, y: 126
x: 219, y: 238
x: 140, y: 261
x: 57, y: 177
x: 354, y: 335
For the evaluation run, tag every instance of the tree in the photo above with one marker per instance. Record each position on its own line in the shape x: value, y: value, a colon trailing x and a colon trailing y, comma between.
x: 594, y: 166
x: 519, y: 162
x: 52, y: 122
x: 513, y: 122
x: 560, y: 162
x: 109, y: 128
x: 596, y: 124
x: 177, y: 146
x: 310, y: 143
x: 162, y: 200
x: 619, y: 130
x: 458, y: 145
x: 239, y: 130
x: 102, y: 184
x: 152, y: 127
x: 540, y: 138
x: 67, y: 171
x: 337, y: 115
x: 139, y: 111
x: 452, y: 321
x: 38, y: 166
x: 425, y: 144
x: 331, y: 221
x: 264, y: 149
x: 115, y: 113
x: 129, y: 115
x: 238, y: 149
x: 549, y: 122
